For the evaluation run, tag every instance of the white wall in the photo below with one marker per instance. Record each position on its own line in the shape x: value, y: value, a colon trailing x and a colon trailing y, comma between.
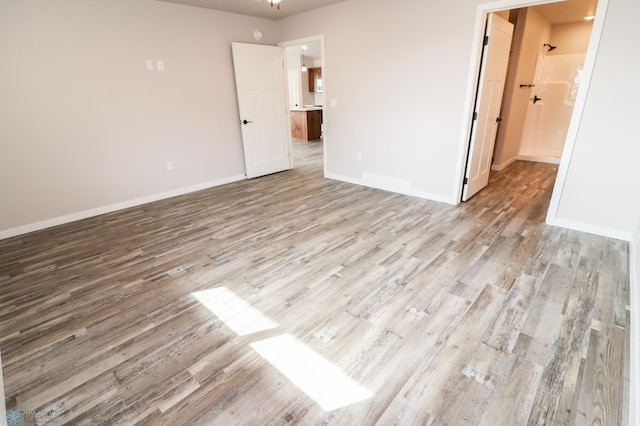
x: 398, y: 72
x: 600, y: 193
x: 83, y: 125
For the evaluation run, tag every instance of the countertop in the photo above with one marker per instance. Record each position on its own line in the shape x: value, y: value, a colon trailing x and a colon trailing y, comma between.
x: 307, y: 108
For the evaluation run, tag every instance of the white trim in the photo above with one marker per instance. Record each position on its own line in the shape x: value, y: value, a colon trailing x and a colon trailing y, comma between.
x: 3, y: 408
x: 576, y: 116
x: 413, y: 193
x: 401, y: 186
x: 298, y: 42
x: 472, y: 78
x: 113, y: 207
x: 435, y: 197
x: 539, y: 159
x: 591, y: 229
x: 342, y: 178
x: 634, y: 356
x: 498, y: 167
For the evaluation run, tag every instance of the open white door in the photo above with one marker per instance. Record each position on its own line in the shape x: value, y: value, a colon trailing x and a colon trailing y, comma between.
x: 262, y: 101
x: 493, y: 71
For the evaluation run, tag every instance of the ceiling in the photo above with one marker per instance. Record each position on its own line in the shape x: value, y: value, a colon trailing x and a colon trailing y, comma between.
x: 560, y: 12
x: 564, y: 12
x: 259, y: 8
x: 311, y: 51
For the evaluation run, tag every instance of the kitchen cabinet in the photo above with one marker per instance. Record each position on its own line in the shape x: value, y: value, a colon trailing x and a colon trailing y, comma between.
x: 315, y: 79
x: 306, y: 124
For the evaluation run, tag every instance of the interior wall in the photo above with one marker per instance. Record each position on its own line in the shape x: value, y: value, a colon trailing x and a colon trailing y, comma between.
x: 531, y: 32
x: 394, y: 90
x: 85, y: 126
x: 570, y: 38
x: 600, y: 193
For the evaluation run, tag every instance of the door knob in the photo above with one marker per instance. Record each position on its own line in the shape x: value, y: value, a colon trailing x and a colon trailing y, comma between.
x: 536, y: 99
x: 246, y: 122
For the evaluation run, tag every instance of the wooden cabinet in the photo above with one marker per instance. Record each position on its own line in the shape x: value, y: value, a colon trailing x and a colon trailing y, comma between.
x: 306, y: 125
x: 315, y: 79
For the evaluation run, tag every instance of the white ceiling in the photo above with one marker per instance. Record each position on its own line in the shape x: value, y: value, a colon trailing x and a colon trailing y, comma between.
x: 560, y: 12
x: 259, y: 8
x: 564, y: 12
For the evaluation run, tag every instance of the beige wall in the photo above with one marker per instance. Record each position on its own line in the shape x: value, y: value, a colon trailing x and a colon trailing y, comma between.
x: 570, y: 38
x: 531, y: 32
x: 85, y: 128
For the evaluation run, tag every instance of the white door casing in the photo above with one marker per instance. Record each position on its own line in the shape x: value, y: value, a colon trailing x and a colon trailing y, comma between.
x: 262, y: 103
x: 493, y: 71
x: 295, y: 91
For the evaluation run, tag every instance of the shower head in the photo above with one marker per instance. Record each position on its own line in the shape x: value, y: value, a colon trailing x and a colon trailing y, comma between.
x: 551, y: 47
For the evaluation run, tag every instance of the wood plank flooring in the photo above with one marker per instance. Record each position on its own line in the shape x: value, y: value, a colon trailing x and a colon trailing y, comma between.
x: 293, y: 299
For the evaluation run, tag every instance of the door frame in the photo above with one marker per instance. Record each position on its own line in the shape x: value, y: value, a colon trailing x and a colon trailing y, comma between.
x: 474, y: 69
x: 298, y: 42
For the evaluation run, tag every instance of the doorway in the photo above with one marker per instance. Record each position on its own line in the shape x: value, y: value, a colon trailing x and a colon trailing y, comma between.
x: 559, y: 17
x: 306, y: 93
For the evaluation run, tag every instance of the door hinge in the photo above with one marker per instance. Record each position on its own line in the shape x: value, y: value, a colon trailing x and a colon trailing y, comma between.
x: 465, y: 181
x: 486, y: 41
x: 475, y: 115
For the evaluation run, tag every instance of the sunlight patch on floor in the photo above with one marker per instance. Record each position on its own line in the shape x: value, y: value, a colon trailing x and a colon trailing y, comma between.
x: 237, y: 314
x: 322, y: 381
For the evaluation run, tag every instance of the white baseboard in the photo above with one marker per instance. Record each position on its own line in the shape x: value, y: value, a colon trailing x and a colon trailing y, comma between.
x: 591, y: 229
x: 341, y: 178
x: 434, y: 197
x: 3, y: 408
x: 539, y: 159
x: 498, y: 167
x: 634, y: 356
x: 399, y: 186
x: 411, y: 192
x: 12, y: 232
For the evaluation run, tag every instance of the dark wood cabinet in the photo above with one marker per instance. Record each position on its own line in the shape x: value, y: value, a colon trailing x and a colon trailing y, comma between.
x: 306, y: 125
x: 315, y: 79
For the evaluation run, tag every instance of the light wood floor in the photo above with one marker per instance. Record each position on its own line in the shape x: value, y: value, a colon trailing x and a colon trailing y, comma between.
x: 293, y: 299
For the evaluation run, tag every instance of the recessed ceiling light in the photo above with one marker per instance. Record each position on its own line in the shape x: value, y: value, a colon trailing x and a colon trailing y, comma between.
x: 589, y: 18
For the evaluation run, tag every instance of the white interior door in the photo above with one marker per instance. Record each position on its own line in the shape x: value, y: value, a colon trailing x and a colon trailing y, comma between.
x: 262, y: 102
x: 493, y: 71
